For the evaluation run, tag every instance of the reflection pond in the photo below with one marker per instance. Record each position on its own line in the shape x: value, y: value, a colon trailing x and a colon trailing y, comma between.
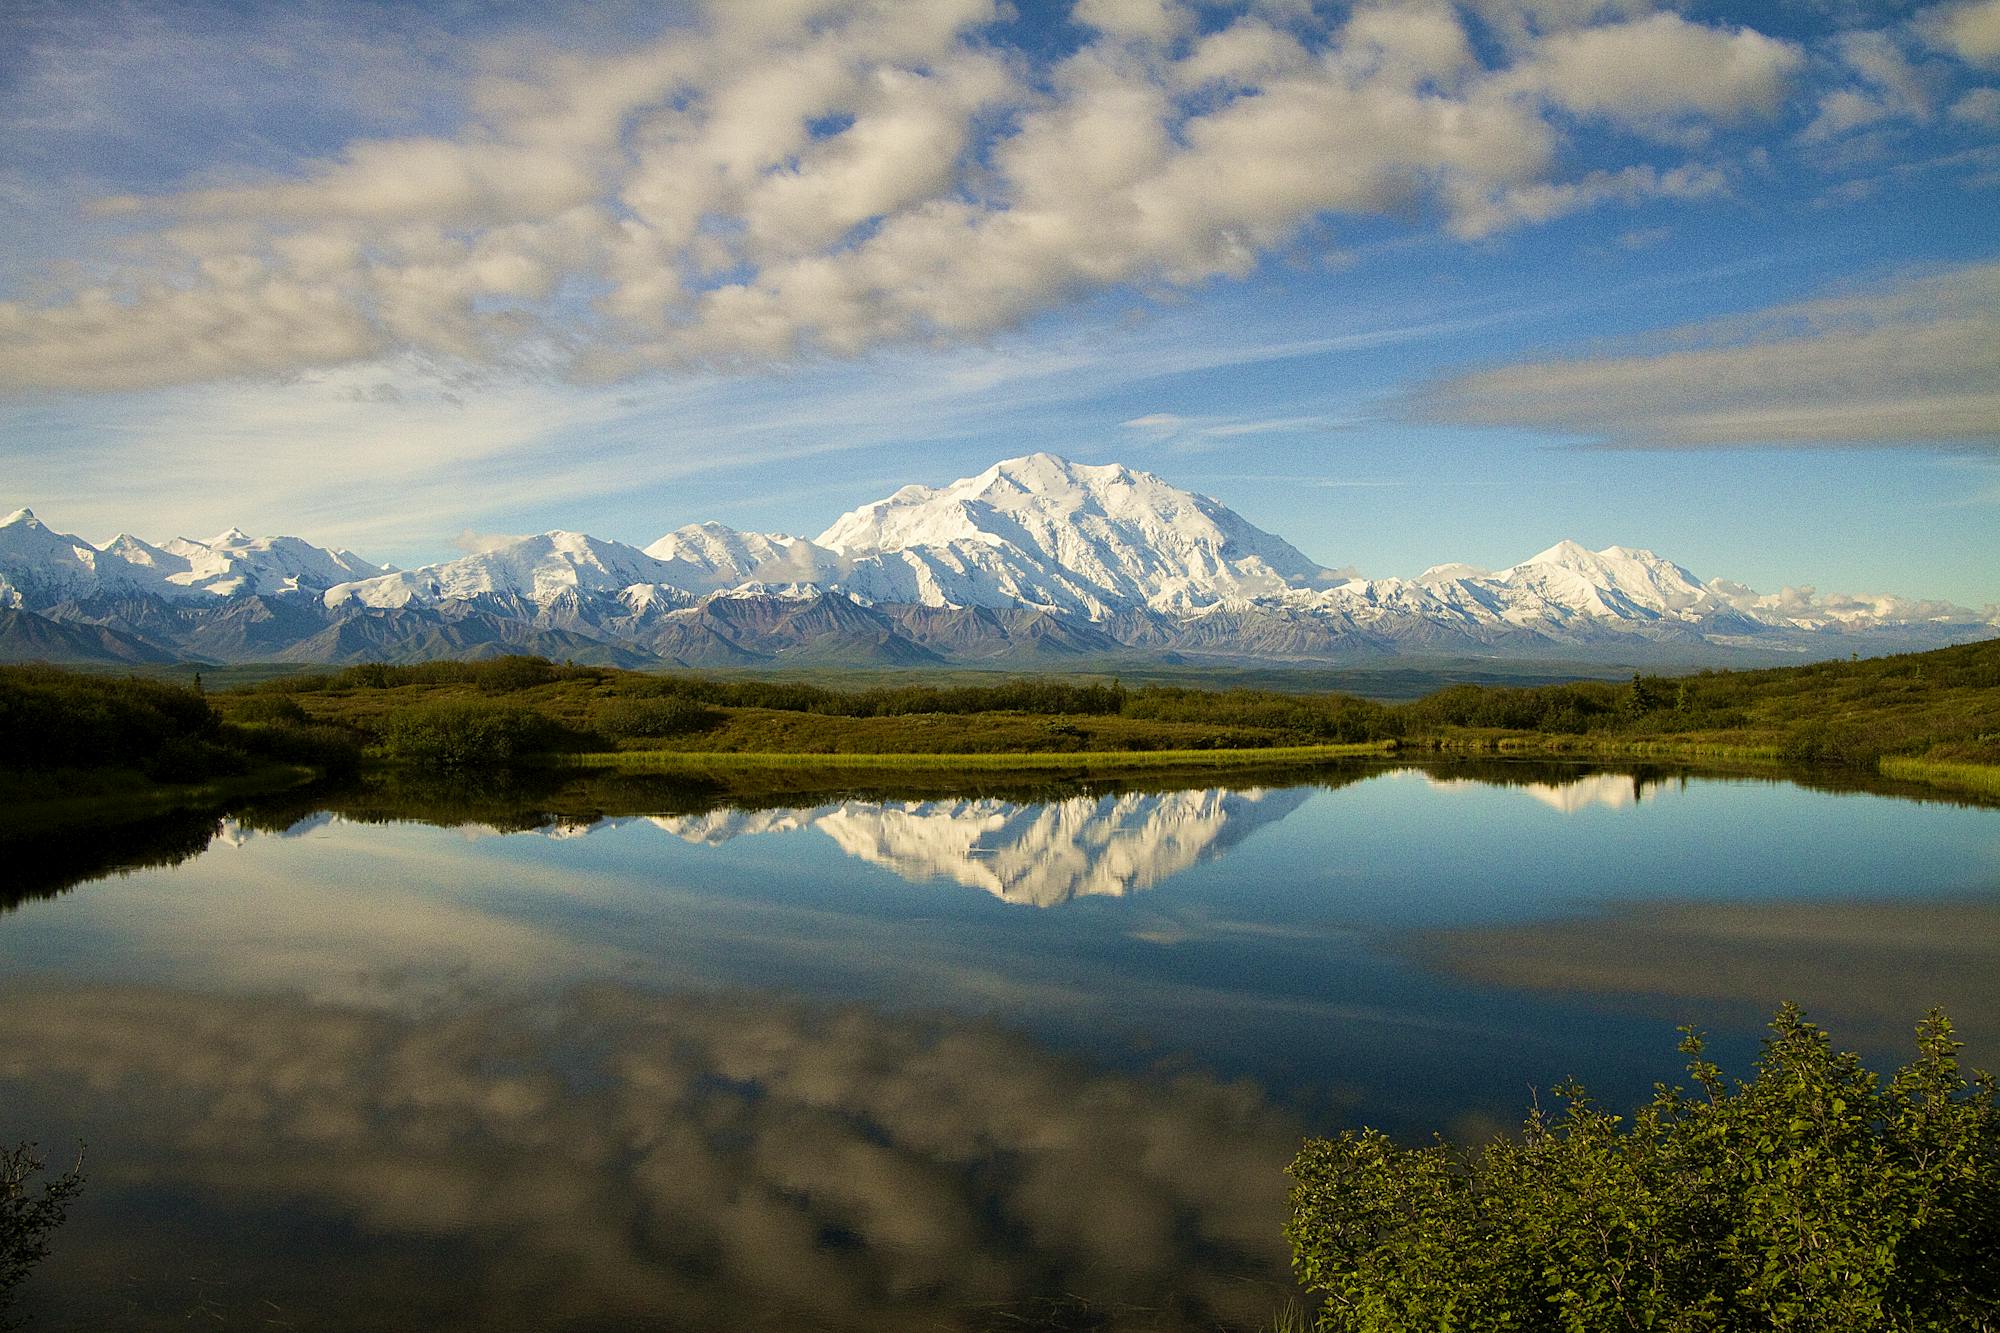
x: 618, y: 1053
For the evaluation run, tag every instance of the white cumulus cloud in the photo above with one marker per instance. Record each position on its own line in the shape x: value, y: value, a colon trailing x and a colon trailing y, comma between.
x: 811, y: 177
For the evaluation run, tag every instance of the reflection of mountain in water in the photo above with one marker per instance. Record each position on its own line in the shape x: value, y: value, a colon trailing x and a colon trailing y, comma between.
x: 1611, y: 791
x: 712, y: 828
x: 1041, y: 854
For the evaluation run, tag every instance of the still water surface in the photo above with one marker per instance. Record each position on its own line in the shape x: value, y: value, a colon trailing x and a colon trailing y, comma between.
x: 867, y: 1063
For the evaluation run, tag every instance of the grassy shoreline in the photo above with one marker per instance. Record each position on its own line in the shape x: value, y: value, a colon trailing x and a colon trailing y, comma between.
x: 1106, y: 762
x: 1977, y: 779
x: 1955, y: 777
x: 1531, y: 745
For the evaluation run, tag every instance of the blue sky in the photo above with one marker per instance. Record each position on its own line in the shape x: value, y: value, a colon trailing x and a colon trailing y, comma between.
x: 1404, y: 283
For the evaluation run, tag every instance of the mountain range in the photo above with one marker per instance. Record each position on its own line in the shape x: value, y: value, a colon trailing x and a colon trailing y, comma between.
x: 1036, y: 560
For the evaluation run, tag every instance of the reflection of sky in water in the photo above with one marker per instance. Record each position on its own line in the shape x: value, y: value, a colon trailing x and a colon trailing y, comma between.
x: 1238, y: 927
x: 321, y: 987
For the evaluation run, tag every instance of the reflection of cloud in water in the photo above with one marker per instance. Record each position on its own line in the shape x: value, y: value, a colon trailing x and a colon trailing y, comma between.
x: 1042, y: 854
x: 1871, y: 968
x: 1610, y: 791
x: 722, y: 1162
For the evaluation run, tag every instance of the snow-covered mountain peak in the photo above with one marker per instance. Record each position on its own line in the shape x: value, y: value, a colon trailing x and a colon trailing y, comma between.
x: 1566, y: 553
x: 1618, y: 582
x: 45, y: 566
x: 233, y: 562
x: 1614, y: 560
x: 1043, y: 530
x: 135, y: 551
x: 711, y: 557
x: 1036, y: 489
x: 1051, y: 474
x: 39, y: 565
x: 538, y: 568
x: 1453, y: 572
x: 718, y: 542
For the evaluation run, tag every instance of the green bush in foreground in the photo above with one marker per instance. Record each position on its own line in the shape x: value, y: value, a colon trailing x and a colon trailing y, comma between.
x: 1811, y: 1197
x: 28, y: 1215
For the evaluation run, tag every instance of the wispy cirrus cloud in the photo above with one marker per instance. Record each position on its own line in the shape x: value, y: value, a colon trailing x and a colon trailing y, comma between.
x: 1913, y: 363
x: 1196, y: 432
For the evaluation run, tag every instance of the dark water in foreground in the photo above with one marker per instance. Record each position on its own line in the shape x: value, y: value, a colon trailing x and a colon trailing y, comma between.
x: 866, y: 1063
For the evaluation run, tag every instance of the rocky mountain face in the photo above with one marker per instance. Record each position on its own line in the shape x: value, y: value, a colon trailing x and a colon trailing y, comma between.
x: 1036, y: 560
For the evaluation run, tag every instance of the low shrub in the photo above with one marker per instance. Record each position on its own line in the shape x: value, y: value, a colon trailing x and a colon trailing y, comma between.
x: 1812, y: 1197
x: 1834, y: 743
x: 461, y: 734
x: 653, y: 716
x: 336, y: 750
x: 267, y: 708
x: 178, y: 759
x: 30, y: 1212
x: 506, y: 675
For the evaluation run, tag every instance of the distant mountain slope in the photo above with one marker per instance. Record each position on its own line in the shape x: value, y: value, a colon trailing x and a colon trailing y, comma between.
x: 27, y: 637
x: 1035, y: 560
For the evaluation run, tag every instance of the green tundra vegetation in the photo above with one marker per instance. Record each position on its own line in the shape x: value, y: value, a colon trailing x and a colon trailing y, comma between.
x: 531, y: 706
x: 1928, y: 718
x: 1925, y: 711
x: 1931, y: 716
x: 1813, y: 1197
